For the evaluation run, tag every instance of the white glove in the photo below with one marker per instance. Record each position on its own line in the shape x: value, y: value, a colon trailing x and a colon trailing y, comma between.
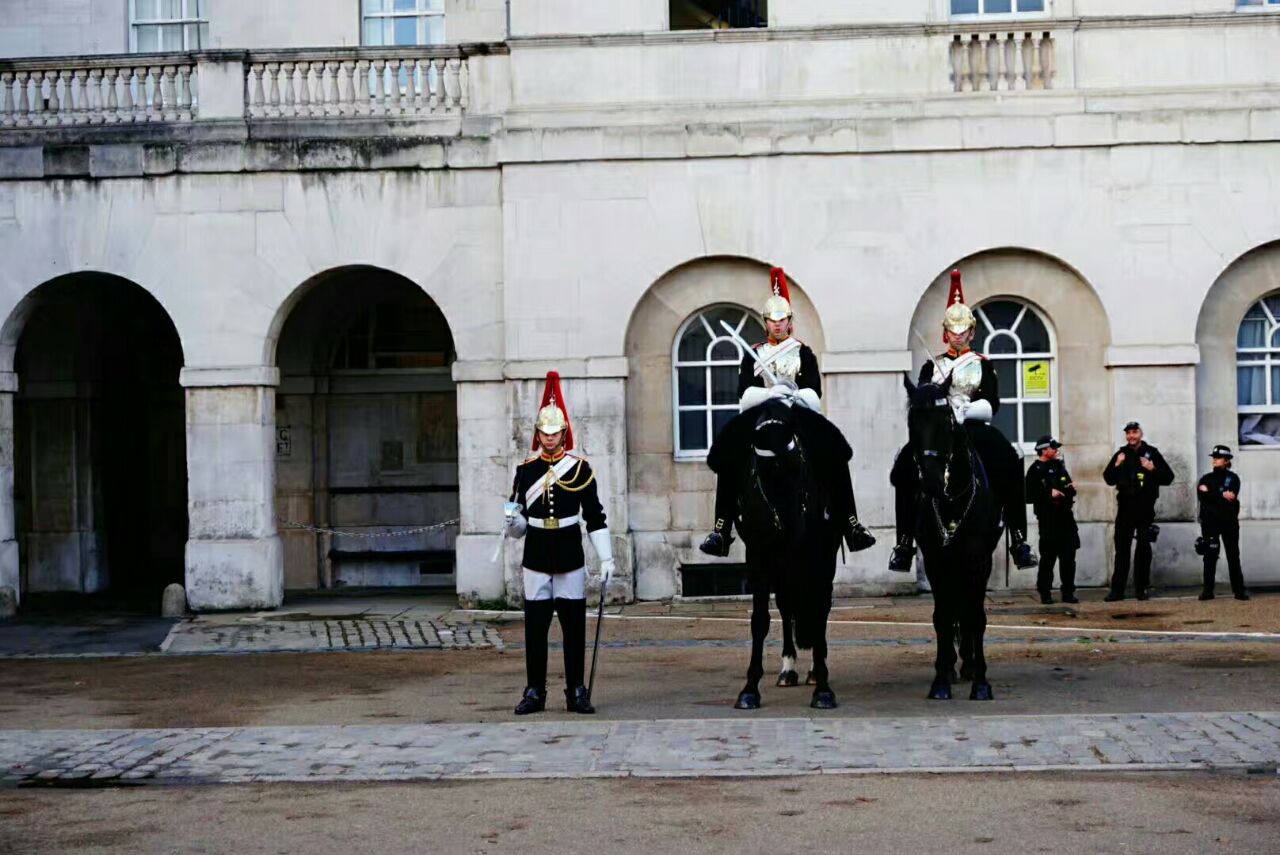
x: 754, y: 396
x: 978, y: 411
x: 603, y: 545
x: 514, y: 524
x: 778, y: 390
x: 809, y: 398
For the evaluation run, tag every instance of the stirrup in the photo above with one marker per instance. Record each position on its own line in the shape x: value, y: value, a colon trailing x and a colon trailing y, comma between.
x: 903, y: 557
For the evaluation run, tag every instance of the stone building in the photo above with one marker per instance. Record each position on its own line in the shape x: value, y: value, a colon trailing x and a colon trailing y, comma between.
x: 347, y: 238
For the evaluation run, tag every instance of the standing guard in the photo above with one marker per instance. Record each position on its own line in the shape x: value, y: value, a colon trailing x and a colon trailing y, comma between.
x: 1137, y: 471
x: 553, y: 496
x: 1219, y: 495
x: 975, y: 398
x: 1051, y: 493
x: 795, y: 367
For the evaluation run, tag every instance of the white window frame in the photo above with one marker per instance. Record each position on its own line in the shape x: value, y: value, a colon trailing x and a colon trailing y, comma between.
x: 188, y: 17
x: 1019, y: 356
x: 1269, y: 6
x: 984, y: 15
x: 420, y: 14
x: 707, y: 363
x: 1270, y: 359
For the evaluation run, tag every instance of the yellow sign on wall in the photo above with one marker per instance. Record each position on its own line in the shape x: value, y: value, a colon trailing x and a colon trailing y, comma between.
x: 1035, y: 380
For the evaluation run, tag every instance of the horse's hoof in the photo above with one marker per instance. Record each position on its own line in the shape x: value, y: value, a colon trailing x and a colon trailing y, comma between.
x: 788, y: 679
x: 810, y: 680
x: 823, y: 700
x: 940, y: 691
x: 981, y: 692
x: 966, y: 672
x: 747, y: 701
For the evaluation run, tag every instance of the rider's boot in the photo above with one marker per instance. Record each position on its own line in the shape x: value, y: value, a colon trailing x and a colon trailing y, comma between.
x: 1023, y: 556
x: 903, y: 556
x: 718, y: 542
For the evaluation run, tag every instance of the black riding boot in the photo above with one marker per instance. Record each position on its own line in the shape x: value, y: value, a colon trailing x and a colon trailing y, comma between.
x: 537, y: 622
x: 844, y: 512
x: 905, y: 479
x: 573, y: 626
x: 717, y: 543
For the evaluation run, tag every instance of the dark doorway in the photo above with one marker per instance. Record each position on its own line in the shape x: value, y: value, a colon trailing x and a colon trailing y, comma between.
x: 100, y: 492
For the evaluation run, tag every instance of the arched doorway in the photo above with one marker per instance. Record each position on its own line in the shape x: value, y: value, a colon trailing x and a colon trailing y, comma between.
x: 100, y: 486
x: 367, y: 435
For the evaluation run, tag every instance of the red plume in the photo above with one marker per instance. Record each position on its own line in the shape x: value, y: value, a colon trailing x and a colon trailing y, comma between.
x: 956, y: 295
x: 552, y: 394
x: 778, y: 283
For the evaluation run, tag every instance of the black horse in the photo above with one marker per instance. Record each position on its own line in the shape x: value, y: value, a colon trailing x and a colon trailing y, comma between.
x: 957, y: 528
x: 775, y: 455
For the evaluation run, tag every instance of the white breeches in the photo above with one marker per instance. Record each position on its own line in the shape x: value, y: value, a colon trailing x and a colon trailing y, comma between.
x: 557, y: 586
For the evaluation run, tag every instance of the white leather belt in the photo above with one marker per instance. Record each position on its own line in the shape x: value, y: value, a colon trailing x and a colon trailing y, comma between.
x: 553, y: 522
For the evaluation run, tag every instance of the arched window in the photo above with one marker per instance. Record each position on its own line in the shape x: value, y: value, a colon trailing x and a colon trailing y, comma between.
x: 1258, y: 373
x: 704, y: 380
x: 1016, y: 340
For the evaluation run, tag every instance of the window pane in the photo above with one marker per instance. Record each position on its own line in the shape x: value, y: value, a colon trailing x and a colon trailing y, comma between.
x: 406, y: 31
x: 148, y: 39
x: 170, y: 9
x: 1006, y: 376
x: 998, y: 6
x: 435, y: 30
x: 1030, y: 5
x: 1001, y: 344
x: 434, y: 5
x: 729, y: 314
x: 1275, y: 384
x: 1252, y: 333
x: 1251, y: 387
x: 693, y: 386
x: 374, y: 6
x: 753, y: 330
x: 1035, y: 338
x: 1007, y: 421
x: 693, y: 345
x: 720, y: 418
x: 1273, y: 305
x: 1035, y: 421
x: 724, y: 384
x: 405, y: 5
x: 693, y: 431
x: 171, y: 37
x: 1259, y: 429
x: 964, y: 7
x: 373, y: 31
x: 1001, y: 313
x: 726, y: 350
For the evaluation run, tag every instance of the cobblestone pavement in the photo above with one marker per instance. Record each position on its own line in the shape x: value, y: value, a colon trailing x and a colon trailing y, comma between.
x: 673, y: 748
x: 271, y: 636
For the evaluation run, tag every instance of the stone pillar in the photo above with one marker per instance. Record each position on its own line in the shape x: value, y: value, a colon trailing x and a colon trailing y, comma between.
x: 9, y: 575
x: 484, y: 443
x: 863, y: 396
x: 1156, y: 386
x: 234, y: 556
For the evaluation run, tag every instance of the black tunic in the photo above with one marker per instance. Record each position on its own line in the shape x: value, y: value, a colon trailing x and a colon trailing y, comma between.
x: 1137, y: 488
x: 1043, y: 477
x: 1216, y: 513
x: 808, y: 378
x: 557, y: 550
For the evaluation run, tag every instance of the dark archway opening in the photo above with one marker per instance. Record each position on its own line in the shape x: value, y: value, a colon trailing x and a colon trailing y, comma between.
x: 100, y: 483
x: 367, y: 435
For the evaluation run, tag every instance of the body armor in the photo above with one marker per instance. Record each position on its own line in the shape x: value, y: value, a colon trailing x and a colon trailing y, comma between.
x: 782, y: 358
x: 965, y: 371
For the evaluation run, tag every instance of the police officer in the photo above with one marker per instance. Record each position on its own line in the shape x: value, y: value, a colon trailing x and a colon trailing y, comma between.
x: 1219, y: 495
x: 794, y: 365
x: 1051, y: 493
x: 1137, y: 471
x: 554, y: 496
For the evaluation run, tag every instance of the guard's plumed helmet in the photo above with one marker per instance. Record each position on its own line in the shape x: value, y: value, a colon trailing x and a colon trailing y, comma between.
x: 778, y: 306
x: 552, y: 417
x: 958, y: 319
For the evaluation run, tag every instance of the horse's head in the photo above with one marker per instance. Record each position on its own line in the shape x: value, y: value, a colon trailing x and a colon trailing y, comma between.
x: 931, y: 427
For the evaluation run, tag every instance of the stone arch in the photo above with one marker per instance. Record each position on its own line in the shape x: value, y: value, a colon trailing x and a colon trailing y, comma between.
x: 670, y: 501
x: 1077, y: 321
x: 1247, y: 279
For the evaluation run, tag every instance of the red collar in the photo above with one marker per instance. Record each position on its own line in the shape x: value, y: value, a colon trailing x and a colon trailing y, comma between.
x: 957, y: 354
x: 778, y: 341
x: 554, y: 458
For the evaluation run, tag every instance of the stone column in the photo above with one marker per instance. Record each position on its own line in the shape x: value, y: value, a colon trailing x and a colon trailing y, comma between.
x: 9, y: 575
x: 484, y: 441
x: 234, y: 556
x: 863, y: 396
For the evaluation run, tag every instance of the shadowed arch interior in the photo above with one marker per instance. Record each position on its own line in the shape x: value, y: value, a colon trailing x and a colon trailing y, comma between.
x: 100, y: 487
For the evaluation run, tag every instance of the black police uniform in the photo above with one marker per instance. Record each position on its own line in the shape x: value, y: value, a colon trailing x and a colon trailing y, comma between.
x: 1059, y: 534
x: 1220, y: 528
x: 1002, y: 463
x: 1137, y: 491
x: 555, y: 550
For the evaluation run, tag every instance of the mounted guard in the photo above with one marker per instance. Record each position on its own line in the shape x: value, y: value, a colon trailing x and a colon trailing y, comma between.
x: 974, y: 395
x: 553, y: 497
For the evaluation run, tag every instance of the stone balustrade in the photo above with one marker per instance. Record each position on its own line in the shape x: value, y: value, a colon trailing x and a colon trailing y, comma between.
x: 97, y: 91
x: 1004, y: 60
x: 404, y: 82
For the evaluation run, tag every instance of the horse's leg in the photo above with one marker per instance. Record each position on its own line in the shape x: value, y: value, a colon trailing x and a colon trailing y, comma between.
x: 788, y: 675
x: 749, y: 697
x: 944, y: 622
x: 975, y: 603
x: 966, y: 652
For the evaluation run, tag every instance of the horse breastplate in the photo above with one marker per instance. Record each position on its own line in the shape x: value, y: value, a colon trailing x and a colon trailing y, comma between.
x: 966, y: 376
x: 782, y: 358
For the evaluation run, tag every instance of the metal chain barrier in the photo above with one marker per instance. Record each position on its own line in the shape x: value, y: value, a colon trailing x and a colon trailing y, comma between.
x: 375, y: 534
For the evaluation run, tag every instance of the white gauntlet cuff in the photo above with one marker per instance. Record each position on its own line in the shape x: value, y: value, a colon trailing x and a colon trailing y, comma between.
x: 602, y: 543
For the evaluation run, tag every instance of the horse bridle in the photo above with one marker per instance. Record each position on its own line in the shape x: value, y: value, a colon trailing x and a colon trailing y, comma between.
x: 793, y: 445
x: 948, y: 531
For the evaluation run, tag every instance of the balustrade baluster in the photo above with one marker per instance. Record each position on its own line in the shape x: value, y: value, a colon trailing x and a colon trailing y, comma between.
x: 464, y: 84
x: 110, y: 101
x: 93, y: 97
x: 1046, y: 60
x: 52, y: 106
x: 993, y: 61
x: 273, y: 100
x: 168, y: 94
x: 286, y: 74
x: 354, y: 87
x: 76, y: 96
x: 23, y: 104
x: 1036, y: 80
x: 186, y: 103
x: 304, y: 88
x: 331, y: 99
x: 452, y: 83
x: 431, y: 85
x: 7, y: 117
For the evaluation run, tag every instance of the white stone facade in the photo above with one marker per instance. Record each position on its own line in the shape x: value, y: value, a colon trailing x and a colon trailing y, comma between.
x: 567, y: 197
